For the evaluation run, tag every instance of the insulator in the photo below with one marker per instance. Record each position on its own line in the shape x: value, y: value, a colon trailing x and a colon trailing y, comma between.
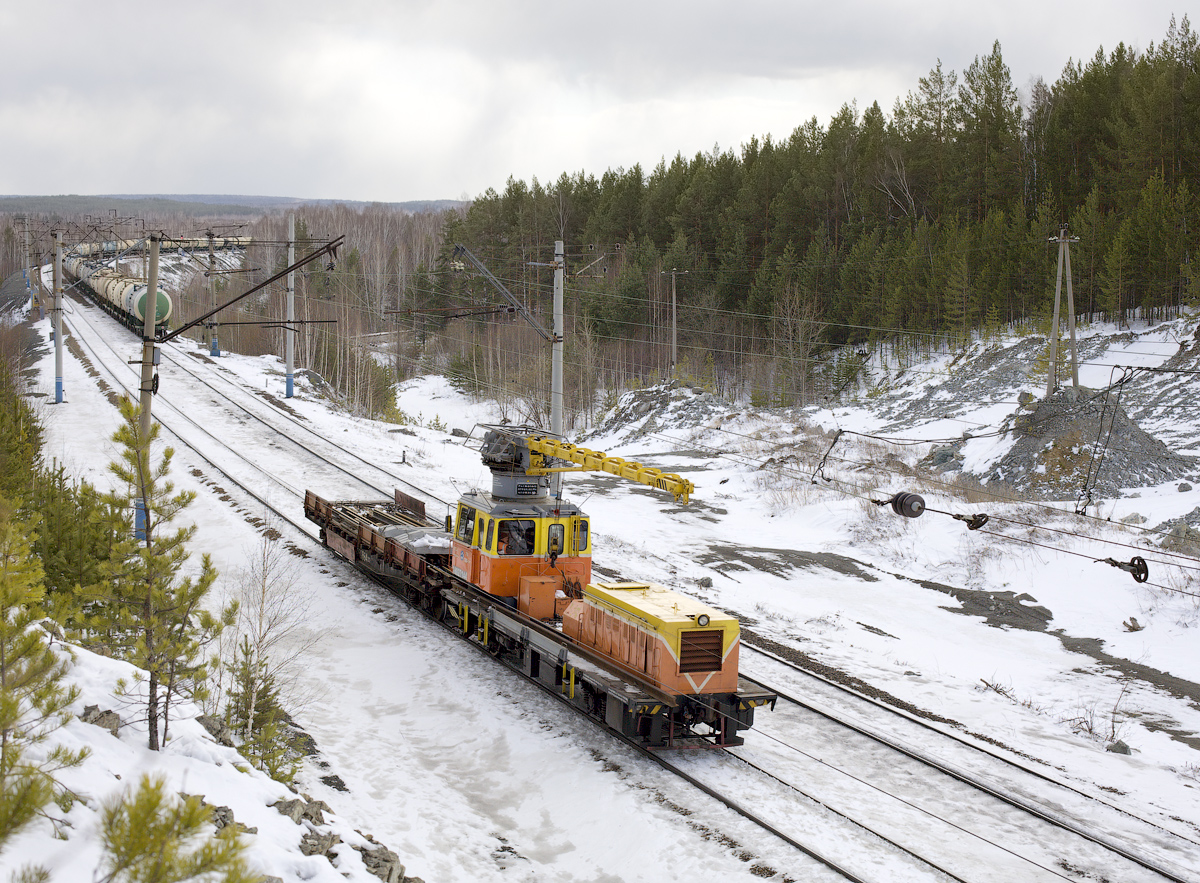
x: 908, y: 505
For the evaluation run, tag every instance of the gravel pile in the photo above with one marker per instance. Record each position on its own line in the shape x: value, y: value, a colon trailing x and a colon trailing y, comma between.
x: 981, y: 373
x: 642, y: 412
x: 1060, y: 448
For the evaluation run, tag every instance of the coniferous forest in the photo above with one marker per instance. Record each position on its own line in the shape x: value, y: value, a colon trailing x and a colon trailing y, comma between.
x: 793, y: 258
x: 933, y: 220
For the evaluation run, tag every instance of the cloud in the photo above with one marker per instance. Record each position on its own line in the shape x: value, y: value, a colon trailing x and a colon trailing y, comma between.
x: 366, y: 99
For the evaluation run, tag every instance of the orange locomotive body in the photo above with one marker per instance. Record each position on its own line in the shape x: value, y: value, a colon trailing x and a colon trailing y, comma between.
x: 676, y: 642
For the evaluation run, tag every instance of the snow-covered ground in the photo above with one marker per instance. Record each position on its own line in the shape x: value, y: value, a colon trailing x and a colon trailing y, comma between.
x: 192, y: 764
x: 470, y: 774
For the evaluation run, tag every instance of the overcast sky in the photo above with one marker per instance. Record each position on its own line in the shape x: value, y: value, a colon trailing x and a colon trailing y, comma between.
x: 400, y: 100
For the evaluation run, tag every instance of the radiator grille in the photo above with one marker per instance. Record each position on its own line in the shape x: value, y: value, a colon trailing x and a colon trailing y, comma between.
x: 700, y: 650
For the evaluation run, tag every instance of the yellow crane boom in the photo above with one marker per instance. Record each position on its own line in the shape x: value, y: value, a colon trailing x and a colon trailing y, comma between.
x: 598, y: 461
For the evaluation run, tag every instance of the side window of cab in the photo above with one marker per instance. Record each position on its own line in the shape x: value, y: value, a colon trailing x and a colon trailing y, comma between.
x: 555, y: 539
x: 581, y: 536
x: 466, y: 525
x: 516, y: 537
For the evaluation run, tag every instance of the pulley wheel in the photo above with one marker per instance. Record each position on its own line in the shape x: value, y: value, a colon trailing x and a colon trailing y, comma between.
x: 1140, y: 571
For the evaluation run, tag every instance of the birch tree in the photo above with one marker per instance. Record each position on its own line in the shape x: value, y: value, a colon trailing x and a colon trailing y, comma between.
x: 263, y: 655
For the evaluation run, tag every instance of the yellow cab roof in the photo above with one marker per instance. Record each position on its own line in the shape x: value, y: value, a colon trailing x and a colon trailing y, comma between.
x: 656, y: 605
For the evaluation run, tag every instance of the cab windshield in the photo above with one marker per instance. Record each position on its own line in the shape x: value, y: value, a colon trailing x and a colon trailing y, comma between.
x: 516, y: 537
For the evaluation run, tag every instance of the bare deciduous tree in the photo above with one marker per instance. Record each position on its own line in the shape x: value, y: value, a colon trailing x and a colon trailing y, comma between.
x: 273, y: 633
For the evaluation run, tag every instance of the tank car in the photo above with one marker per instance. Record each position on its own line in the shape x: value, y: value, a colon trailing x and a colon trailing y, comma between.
x: 123, y: 296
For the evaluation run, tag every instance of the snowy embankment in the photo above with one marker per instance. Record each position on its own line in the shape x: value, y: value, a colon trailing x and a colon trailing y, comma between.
x: 1018, y: 631
x: 470, y: 774
x: 67, y: 843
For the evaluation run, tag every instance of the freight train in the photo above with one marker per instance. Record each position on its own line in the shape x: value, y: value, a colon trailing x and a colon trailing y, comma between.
x: 125, y: 297
x: 511, y: 571
x: 109, y: 247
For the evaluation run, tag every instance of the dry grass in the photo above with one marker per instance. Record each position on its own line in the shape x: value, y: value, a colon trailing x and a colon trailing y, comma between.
x: 1096, y: 721
x: 1006, y: 691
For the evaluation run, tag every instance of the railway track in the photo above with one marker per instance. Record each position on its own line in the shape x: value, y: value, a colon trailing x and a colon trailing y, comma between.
x: 275, y: 417
x: 1037, y: 791
x: 185, y: 426
x: 850, y: 815
x: 822, y: 770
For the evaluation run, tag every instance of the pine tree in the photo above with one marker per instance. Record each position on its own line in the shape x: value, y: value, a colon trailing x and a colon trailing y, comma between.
x: 74, y: 539
x: 147, y: 614
x: 150, y: 837
x: 1114, y: 279
x: 20, y: 436
x: 257, y: 717
x: 959, y: 299
x: 933, y: 111
x: 989, y: 134
x: 33, y: 699
x: 1094, y: 228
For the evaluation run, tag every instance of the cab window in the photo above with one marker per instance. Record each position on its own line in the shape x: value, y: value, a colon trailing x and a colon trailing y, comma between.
x: 556, y: 537
x: 581, y: 536
x: 491, y: 530
x: 516, y: 537
x: 466, y: 524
